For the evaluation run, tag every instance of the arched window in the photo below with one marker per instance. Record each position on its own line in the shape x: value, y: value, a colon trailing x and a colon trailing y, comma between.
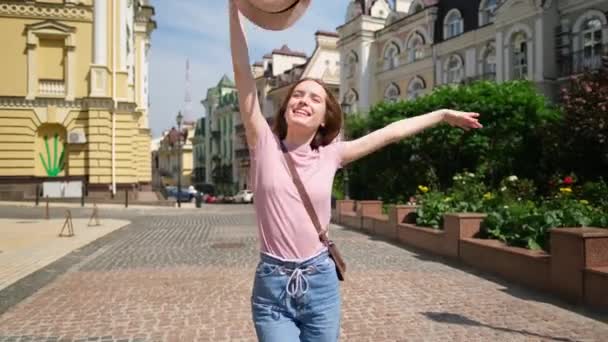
x: 415, y: 88
x: 487, y: 11
x: 351, y: 64
x: 454, y: 69
x: 391, y: 56
x: 416, y: 7
x: 349, y: 104
x: 591, y: 37
x: 415, y: 47
x: 520, y: 56
x: 488, y: 63
x: 392, y: 92
x: 453, y: 24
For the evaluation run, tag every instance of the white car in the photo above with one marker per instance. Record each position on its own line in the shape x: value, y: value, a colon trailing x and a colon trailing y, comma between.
x: 244, y: 196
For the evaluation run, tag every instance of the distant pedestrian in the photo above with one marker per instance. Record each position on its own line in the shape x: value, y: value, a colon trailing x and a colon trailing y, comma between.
x: 296, y: 294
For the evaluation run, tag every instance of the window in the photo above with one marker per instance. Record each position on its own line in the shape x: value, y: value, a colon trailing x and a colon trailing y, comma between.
x: 392, y: 92
x: 453, y: 25
x: 416, y: 7
x: 487, y: 12
x: 351, y: 64
x: 488, y: 66
x: 350, y: 101
x: 415, y: 47
x: 520, y: 56
x: 415, y: 88
x: 454, y: 69
x: 51, y: 67
x: 391, y: 56
x: 592, y: 42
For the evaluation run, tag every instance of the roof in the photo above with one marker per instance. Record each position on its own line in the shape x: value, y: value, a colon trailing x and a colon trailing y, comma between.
x: 225, y: 82
x: 285, y: 50
x: 326, y: 33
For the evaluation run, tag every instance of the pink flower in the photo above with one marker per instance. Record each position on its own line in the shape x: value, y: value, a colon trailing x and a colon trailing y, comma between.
x: 568, y: 180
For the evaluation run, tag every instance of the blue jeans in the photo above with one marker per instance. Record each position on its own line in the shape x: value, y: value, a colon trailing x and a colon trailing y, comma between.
x: 296, y: 301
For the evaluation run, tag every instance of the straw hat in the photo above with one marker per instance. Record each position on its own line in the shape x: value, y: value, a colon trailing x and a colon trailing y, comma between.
x: 273, y: 14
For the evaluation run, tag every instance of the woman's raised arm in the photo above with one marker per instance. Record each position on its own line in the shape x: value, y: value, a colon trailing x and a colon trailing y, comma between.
x: 251, y: 114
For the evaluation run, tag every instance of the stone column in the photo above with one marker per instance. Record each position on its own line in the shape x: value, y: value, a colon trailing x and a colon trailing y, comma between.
x: 99, y: 69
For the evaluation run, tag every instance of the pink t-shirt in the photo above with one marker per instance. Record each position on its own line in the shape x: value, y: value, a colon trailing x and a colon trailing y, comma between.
x: 284, y: 227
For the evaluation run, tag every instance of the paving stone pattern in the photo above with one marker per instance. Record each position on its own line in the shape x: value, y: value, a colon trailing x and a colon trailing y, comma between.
x: 187, y: 276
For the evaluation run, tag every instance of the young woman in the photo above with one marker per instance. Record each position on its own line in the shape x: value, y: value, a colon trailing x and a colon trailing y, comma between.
x: 296, y: 293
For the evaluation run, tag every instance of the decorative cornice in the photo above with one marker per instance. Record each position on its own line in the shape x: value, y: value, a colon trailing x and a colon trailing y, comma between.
x: 39, y: 11
x: 81, y: 103
x: 20, y: 102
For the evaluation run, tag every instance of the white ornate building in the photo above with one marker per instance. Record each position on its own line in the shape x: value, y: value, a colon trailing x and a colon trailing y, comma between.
x: 401, y: 51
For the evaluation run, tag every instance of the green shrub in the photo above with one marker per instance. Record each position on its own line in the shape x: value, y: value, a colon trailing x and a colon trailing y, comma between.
x: 512, y: 113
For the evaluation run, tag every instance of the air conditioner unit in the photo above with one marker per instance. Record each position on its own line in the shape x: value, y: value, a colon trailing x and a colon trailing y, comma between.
x: 77, y: 137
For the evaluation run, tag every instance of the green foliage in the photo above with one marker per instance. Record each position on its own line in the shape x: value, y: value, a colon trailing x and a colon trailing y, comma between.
x: 52, y: 165
x: 579, y: 142
x: 512, y: 113
x: 515, y: 216
x: 433, y: 205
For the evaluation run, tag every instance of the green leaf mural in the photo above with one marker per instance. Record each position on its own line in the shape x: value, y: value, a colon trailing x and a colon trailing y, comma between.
x: 52, y: 166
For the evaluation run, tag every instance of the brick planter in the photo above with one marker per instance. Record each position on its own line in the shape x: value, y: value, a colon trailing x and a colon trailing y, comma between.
x: 596, y: 287
x: 351, y: 220
x: 368, y: 210
x: 520, y: 265
x: 343, y: 206
x: 445, y: 242
x: 578, y: 268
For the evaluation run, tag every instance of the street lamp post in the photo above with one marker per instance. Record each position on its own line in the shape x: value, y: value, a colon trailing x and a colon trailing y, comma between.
x: 345, y: 109
x: 179, y: 119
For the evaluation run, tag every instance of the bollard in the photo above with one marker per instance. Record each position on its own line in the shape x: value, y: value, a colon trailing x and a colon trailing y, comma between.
x: 126, y: 197
x: 94, y: 216
x: 67, y: 224
x: 37, y: 194
x: 82, y: 196
x: 46, y: 211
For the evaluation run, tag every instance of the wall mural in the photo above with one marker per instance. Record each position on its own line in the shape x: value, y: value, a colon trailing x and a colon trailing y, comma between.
x: 53, y: 163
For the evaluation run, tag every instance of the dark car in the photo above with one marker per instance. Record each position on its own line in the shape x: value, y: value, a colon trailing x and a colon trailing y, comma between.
x: 184, y: 194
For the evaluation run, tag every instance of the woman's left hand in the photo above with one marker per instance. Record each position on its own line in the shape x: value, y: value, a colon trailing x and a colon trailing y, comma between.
x: 464, y: 120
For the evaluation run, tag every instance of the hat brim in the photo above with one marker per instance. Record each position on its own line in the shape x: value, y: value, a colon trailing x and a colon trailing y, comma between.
x: 273, y: 21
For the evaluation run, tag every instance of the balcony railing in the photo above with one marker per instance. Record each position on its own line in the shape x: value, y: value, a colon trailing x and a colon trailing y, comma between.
x: 51, y: 87
x: 488, y: 76
x: 242, y: 153
x: 239, y: 128
x: 583, y: 60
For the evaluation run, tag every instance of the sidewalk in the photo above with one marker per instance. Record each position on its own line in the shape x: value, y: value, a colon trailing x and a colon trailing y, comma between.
x: 24, y: 204
x: 29, y: 245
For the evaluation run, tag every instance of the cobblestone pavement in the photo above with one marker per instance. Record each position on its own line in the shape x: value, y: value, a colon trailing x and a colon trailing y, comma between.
x: 186, y: 276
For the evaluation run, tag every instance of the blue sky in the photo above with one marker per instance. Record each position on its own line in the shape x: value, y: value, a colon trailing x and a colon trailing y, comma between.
x: 198, y: 30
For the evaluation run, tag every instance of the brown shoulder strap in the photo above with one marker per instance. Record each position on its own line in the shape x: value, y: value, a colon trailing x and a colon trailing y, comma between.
x: 304, y: 195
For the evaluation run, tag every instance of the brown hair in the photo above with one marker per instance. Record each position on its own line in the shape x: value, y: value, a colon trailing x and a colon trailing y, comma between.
x: 333, y: 117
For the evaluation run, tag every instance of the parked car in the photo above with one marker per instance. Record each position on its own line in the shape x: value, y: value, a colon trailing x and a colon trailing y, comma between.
x: 244, y: 196
x: 209, y: 198
x: 184, y: 194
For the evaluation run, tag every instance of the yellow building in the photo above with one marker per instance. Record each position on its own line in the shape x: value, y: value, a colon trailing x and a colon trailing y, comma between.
x: 74, y: 92
x: 169, y: 153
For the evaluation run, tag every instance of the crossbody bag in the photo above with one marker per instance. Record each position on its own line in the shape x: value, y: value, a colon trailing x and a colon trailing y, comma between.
x: 331, y: 246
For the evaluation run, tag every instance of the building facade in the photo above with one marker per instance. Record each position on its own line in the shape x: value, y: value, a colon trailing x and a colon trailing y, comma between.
x: 74, y: 92
x: 198, y: 154
x: 226, y: 153
x: 221, y: 107
x: 171, y: 157
x: 404, y: 50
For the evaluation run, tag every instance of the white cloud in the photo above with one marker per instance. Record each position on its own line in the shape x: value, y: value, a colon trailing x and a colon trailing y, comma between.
x: 198, y: 30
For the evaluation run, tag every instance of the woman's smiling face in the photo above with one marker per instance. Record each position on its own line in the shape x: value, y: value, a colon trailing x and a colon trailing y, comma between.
x: 307, y: 106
